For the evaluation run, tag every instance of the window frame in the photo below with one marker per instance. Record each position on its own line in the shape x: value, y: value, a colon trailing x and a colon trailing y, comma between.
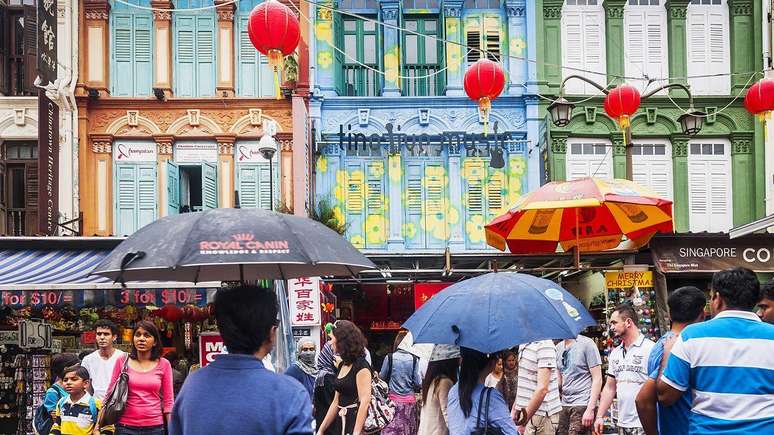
x: 422, y: 65
x: 483, y: 15
x: 633, y: 69
x: 709, y: 85
x: 667, y: 159
x: 360, y: 88
x: 583, y: 12
x: 597, y: 144
x: 725, y: 159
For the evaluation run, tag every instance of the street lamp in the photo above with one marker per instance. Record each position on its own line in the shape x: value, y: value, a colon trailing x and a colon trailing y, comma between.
x: 267, y: 146
x: 561, y: 112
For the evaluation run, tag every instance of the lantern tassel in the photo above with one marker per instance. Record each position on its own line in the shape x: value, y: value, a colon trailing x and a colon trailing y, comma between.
x: 763, y: 117
x: 485, y: 105
x: 275, y: 60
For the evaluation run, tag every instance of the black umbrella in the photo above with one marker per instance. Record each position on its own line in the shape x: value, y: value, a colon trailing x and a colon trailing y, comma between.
x: 228, y: 244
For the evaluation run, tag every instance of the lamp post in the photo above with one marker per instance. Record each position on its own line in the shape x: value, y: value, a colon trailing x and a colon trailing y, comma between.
x: 690, y: 121
x: 267, y: 147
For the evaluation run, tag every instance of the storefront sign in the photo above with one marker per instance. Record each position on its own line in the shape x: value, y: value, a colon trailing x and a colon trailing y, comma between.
x: 158, y: 297
x: 47, y: 41
x: 35, y: 334
x: 247, y: 152
x: 9, y: 337
x: 713, y: 253
x: 48, y: 165
x: 304, y: 294
x: 196, y: 152
x: 36, y: 298
x: 628, y: 279
x: 423, y: 291
x: 135, y: 152
x: 210, y: 345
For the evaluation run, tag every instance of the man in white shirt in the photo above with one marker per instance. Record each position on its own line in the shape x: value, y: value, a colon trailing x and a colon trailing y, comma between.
x: 537, y: 406
x: 626, y: 373
x: 100, y: 362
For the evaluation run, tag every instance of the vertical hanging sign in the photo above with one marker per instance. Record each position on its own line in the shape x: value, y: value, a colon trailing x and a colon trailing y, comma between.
x: 48, y: 125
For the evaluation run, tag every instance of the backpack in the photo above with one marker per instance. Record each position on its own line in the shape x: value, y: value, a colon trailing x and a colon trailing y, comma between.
x: 381, y: 410
x: 413, y: 370
x: 41, y: 420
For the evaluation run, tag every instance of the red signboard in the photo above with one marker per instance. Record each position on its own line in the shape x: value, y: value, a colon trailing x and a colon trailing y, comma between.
x: 423, y: 291
x: 210, y: 345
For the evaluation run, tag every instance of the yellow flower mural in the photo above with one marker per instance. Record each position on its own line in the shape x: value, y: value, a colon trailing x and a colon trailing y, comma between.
x: 392, y: 65
x: 474, y: 227
x: 438, y: 223
x: 323, y: 30
x: 322, y: 164
x: 517, y: 165
x: 517, y: 46
x: 338, y: 214
x: 342, y: 184
x: 324, y: 59
x: 376, y: 229
x: 453, y: 57
x: 357, y: 241
x: 409, y: 231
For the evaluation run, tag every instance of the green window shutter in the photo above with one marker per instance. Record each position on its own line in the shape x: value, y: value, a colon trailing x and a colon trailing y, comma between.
x: 173, y: 188
x: 209, y: 186
x: 205, y: 55
x: 247, y: 183
x: 146, y: 195
x: 185, y: 56
x: 143, y: 54
x: 126, y: 199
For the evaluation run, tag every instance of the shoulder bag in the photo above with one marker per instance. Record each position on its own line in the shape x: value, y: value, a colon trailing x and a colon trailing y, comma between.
x: 115, y: 401
x: 485, y: 429
x: 381, y: 410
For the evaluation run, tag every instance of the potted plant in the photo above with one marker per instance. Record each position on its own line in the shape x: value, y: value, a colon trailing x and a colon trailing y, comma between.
x: 290, y: 73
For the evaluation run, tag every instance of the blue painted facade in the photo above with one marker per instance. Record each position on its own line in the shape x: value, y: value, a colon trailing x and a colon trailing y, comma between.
x: 402, y: 160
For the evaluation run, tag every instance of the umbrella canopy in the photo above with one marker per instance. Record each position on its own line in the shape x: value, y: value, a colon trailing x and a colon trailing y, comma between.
x: 419, y: 350
x: 229, y: 244
x: 511, y: 309
x: 590, y: 213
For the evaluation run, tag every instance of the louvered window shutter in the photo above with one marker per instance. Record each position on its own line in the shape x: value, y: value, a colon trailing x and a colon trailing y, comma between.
x: 720, y: 196
x: 719, y: 58
x: 495, y: 189
x: 205, y: 55
x: 30, y: 49
x: 209, y: 186
x: 635, y: 40
x: 185, y: 61
x: 264, y: 187
x: 435, y: 204
x: 414, y: 205
x: 473, y: 42
x: 248, y: 84
x: 708, y: 49
x: 31, y: 198
x: 654, y: 169
x: 594, y: 41
x: 709, y: 187
x: 475, y: 170
x: 573, y: 48
x: 375, y: 194
x: 698, y: 195
x: 173, y: 188
x: 248, y: 186
x: 4, y: 78
x: 492, y: 37
x: 123, y: 71
x: 356, y: 200
x: 127, y: 199
x: 146, y: 195
x: 143, y: 54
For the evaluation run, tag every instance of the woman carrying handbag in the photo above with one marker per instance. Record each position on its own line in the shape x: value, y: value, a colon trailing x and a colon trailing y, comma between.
x: 148, y: 378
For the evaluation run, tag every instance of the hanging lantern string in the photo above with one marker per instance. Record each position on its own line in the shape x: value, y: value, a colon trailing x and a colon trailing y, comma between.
x: 203, y: 8
x: 730, y: 103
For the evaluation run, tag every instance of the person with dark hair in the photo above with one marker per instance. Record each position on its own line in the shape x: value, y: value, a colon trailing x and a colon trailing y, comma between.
x: 304, y: 369
x: 76, y: 413
x: 766, y: 304
x: 441, y: 375
x: 464, y: 410
x: 627, y: 371
x: 100, y: 363
x: 236, y: 394
x: 150, y: 398
x: 401, y: 371
x: 353, y: 381
x: 59, y: 363
x: 686, y: 306
x: 726, y: 362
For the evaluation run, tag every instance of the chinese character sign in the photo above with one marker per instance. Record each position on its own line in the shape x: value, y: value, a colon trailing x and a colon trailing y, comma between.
x: 304, y: 294
x: 47, y: 35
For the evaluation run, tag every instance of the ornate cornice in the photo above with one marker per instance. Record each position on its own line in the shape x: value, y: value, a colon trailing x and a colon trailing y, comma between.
x: 679, y: 146
x: 162, y: 15
x: 677, y: 11
x: 96, y: 9
x: 559, y: 145
x: 741, y: 7
x: 452, y: 11
x: 552, y: 12
x: 390, y: 12
x: 225, y: 12
x: 225, y: 144
x: 614, y: 11
x: 101, y: 143
x: 164, y: 143
x: 741, y: 144
x: 286, y: 144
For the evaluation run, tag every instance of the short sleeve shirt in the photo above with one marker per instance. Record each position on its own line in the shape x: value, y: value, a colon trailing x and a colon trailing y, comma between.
x: 575, y: 364
x: 534, y: 356
x: 629, y: 367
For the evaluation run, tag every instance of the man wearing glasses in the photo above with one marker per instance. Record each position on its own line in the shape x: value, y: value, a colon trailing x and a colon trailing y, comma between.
x: 580, y: 382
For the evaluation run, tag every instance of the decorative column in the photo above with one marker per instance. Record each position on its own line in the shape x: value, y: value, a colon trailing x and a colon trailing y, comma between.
x: 457, y: 236
x: 677, y: 43
x: 558, y: 155
x: 744, y: 45
x: 164, y: 146
x: 96, y: 55
x: 743, y: 180
x: 455, y: 61
x: 550, y: 46
x: 614, y: 37
x: 102, y: 149
x: 619, y: 155
x: 285, y: 192
x: 226, y: 170
x: 680, y: 212
x: 390, y: 13
x: 225, y: 84
x: 162, y: 21
x: 516, y: 63
x: 325, y: 62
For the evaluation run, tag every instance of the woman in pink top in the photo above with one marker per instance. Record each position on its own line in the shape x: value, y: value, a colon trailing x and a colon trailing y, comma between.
x: 150, y: 398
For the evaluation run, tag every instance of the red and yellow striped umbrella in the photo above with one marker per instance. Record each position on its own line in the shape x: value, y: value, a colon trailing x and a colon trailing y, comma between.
x: 591, y: 213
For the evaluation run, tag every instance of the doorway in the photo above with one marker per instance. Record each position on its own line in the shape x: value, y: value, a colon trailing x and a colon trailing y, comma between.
x: 191, y: 187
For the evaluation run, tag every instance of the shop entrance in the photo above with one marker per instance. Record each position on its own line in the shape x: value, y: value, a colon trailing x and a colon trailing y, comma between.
x: 191, y: 187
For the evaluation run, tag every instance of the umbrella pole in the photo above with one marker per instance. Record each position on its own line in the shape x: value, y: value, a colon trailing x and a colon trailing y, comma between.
x: 242, y: 273
x: 577, y: 240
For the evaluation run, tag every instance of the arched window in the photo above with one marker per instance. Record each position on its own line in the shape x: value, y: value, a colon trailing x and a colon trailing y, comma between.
x: 131, y: 49
x: 707, y: 43
x: 645, y: 27
x: 583, y: 44
x: 194, y: 48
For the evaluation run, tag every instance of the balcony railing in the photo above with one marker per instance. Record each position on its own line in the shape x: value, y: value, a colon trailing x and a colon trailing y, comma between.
x: 16, y: 222
x: 360, y: 81
x: 422, y: 80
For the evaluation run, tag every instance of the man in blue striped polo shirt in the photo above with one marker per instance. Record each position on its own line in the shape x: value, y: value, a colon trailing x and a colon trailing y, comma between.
x: 727, y: 362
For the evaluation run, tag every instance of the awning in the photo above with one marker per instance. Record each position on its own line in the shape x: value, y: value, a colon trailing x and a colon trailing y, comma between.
x: 42, y: 267
x: 760, y: 224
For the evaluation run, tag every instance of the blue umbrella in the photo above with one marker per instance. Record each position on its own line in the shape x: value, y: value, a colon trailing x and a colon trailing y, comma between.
x: 497, y: 311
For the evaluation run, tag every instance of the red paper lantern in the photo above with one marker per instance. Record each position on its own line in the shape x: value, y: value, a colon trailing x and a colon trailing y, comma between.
x: 760, y: 97
x: 621, y: 103
x: 171, y: 313
x: 274, y: 31
x: 484, y: 81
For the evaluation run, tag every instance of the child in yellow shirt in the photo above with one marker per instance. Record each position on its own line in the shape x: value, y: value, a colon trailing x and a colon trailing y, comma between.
x: 76, y: 413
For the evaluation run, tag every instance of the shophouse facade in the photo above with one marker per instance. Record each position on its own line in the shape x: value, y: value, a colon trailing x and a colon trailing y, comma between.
x: 715, y: 178
x: 174, y: 101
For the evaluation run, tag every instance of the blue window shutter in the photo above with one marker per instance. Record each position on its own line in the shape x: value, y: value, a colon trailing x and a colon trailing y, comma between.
x: 143, y: 54
x: 126, y: 199
x: 247, y: 183
x: 435, y: 203
x: 146, y: 195
x: 266, y: 77
x: 264, y: 187
x: 185, y: 56
x: 173, y: 188
x: 247, y: 73
x: 374, y: 196
x: 414, y: 230
x: 205, y: 55
x: 121, y: 78
x: 355, y: 202
x: 475, y: 170
x: 209, y: 186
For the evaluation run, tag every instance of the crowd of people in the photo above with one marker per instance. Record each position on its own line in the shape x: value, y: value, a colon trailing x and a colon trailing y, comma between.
x: 714, y: 376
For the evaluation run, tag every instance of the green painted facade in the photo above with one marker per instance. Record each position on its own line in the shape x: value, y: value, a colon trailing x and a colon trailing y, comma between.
x: 657, y: 117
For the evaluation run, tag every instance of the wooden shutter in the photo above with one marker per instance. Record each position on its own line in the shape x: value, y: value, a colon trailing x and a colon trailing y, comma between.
x: 654, y: 171
x: 475, y: 208
x: 473, y: 42
x: 173, y: 188
x: 4, y: 78
x: 143, y: 54
x: 495, y: 188
x: 645, y: 35
x: 31, y: 199
x: 414, y: 203
x: 185, y: 56
x: 30, y: 49
x: 634, y: 25
x: 247, y: 184
x: 126, y: 199
x: 435, y: 203
x: 491, y: 31
x: 146, y: 195
x: 375, y: 195
x: 698, y: 195
x: 709, y: 192
x: 594, y: 47
x: 573, y: 48
x: 246, y: 81
x: 205, y: 55
x: 209, y: 186
x: 264, y: 187
x: 356, y: 200
x: 708, y: 49
x: 123, y: 70
x: 3, y: 200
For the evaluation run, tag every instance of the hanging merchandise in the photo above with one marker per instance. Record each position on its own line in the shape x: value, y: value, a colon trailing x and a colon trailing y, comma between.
x: 274, y: 31
x: 759, y: 101
x: 484, y: 81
